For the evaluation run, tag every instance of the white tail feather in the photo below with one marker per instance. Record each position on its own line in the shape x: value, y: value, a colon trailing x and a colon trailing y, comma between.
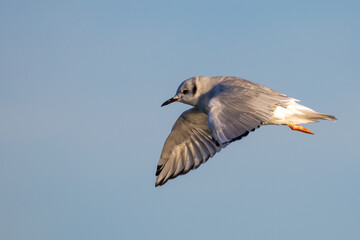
x: 297, y: 114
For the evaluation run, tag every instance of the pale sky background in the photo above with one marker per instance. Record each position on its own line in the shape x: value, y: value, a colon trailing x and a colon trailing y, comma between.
x: 81, y: 128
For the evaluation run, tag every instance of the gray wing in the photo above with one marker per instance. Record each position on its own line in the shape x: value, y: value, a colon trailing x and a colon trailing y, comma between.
x: 239, y: 106
x: 188, y: 145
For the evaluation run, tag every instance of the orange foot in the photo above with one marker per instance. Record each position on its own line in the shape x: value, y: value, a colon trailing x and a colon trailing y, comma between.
x: 298, y: 127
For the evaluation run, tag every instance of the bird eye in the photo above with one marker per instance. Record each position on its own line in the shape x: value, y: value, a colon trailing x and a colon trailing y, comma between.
x: 185, y: 91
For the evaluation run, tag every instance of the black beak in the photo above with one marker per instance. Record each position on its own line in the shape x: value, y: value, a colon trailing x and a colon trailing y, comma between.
x: 171, y: 100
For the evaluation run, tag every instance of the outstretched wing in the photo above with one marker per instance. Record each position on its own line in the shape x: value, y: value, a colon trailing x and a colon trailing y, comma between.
x: 239, y: 106
x: 188, y: 145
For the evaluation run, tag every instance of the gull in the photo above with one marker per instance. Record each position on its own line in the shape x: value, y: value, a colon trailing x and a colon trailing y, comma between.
x: 225, y: 109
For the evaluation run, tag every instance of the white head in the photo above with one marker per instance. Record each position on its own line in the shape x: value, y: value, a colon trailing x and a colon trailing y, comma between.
x: 186, y: 93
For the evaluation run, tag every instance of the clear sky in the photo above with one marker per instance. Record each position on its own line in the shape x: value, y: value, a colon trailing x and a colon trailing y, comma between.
x: 81, y: 128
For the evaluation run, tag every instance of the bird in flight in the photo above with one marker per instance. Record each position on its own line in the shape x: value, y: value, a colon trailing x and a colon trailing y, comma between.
x: 225, y: 109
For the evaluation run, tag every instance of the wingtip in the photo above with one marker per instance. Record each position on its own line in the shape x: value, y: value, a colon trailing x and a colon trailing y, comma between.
x: 159, y: 183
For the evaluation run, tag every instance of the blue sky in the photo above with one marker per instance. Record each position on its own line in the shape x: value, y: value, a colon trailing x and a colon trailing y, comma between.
x: 81, y: 128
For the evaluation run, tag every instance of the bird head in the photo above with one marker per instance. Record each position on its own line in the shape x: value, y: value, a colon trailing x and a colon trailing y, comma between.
x: 186, y: 93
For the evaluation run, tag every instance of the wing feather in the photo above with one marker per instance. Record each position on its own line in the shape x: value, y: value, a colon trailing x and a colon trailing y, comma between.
x: 238, y: 106
x: 188, y: 146
x: 187, y: 155
x: 205, y: 154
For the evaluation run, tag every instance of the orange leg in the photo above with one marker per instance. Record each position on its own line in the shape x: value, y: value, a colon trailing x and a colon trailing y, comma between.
x: 298, y: 127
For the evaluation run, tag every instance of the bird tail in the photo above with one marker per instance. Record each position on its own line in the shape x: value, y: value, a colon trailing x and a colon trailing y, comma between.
x: 301, y: 114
